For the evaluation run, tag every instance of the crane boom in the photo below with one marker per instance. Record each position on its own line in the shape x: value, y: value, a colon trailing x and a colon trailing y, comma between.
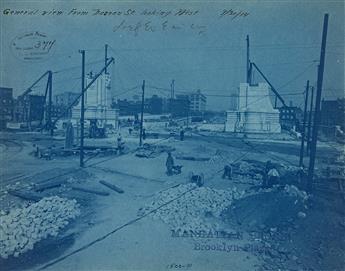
x: 111, y: 60
x: 29, y: 89
x: 272, y: 87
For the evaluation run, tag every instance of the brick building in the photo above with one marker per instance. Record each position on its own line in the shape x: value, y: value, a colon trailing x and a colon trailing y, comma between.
x: 6, y: 106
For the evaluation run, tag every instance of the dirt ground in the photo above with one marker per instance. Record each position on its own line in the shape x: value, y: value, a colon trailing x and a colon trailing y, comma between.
x: 110, y: 235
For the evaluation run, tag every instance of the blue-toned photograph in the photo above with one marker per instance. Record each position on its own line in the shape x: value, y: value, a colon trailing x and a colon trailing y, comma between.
x: 172, y: 135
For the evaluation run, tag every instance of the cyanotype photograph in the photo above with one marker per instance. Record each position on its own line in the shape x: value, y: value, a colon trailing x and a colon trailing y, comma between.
x: 172, y: 135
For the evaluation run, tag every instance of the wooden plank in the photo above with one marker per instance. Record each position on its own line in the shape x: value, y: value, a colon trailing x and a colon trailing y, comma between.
x: 48, y: 185
x: 112, y: 186
x: 25, y: 195
x: 192, y: 158
x: 87, y: 190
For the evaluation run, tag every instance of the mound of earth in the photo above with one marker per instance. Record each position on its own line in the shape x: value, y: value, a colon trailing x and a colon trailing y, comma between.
x: 294, y: 234
x: 268, y: 209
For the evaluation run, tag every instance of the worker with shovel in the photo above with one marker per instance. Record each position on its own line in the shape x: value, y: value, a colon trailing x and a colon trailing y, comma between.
x: 171, y: 168
x: 271, y: 176
x: 169, y: 164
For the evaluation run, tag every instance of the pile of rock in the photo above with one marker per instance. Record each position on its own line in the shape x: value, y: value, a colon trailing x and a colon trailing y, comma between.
x: 152, y: 151
x: 192, y: 208
x: 245, y: 167
x: 293, y: 191
x: 24, y: 227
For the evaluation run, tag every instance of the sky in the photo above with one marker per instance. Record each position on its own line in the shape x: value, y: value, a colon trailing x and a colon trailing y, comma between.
x: 204, y: 48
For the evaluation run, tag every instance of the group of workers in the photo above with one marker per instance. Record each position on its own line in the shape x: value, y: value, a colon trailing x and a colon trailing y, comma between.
x: 271, y: 175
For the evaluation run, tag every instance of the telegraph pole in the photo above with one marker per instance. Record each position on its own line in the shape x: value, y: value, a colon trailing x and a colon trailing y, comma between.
x: 82, y: 110
x: 304, y: 122
x: 248, y: 63
x: 309, y: 120
x: 142, y: 113
x: 105, y: 57
x: 50, y: 97
x: 317, y: 104
x: 172, y: 92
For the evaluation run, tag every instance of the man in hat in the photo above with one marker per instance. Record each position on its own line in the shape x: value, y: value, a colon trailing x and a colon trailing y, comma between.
x: 169, y: 164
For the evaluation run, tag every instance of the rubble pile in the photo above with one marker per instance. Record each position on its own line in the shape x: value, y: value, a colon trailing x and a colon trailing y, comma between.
x: 23, y: 227
x: 245, y: 167
x: 191, y: 210
x: 293, y: 191
x: 152, y: 151
x: 341, y: 158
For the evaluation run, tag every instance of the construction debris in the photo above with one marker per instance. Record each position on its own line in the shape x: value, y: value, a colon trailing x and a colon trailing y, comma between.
x: 152, y: 151
x: 112, y: 186
x: 271, y: 207
x: 192, y: 158
x: 48, y: 185
x: 192, y: 207
x: 88, y: 190
x: 22, y: 228
x: 26, y: 195
x: 301, y: 215
x: 295, y: 192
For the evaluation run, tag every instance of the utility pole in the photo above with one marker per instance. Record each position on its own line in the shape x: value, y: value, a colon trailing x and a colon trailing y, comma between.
x: 188, y: 113
x: 248, y: 63
x: 142, y: 113
x: 50, y: 97
x: 82, y: 110
x: 309, y: 119
x: 172, y: 91
x: 317, y: 104
x: 105, y: 58
x: 304, y: 122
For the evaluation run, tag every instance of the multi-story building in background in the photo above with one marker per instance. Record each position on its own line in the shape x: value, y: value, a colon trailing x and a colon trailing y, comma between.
x: 29, y: 108
x: 154, y: 105
x: 66, y: 99
x: 180, y: 106
x: 6, y: 106
x: 290, y: 117
x: 62, y: 105
x: 127, y: 107
x: 197, y: 102
x: 332, y: 115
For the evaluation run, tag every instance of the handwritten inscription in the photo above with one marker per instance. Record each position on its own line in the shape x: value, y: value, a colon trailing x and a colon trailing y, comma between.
x: 160, y: 13
x: 149, y: 26
x: 233, y: 14
x: 32, y: 46
x: 140, y: 20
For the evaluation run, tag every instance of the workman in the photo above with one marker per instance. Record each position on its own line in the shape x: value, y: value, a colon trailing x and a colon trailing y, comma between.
x: 169, y: 164
x: 273, y: 177
x: 182, y: 134
x: 119, y: 143
x: 227, y: 172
